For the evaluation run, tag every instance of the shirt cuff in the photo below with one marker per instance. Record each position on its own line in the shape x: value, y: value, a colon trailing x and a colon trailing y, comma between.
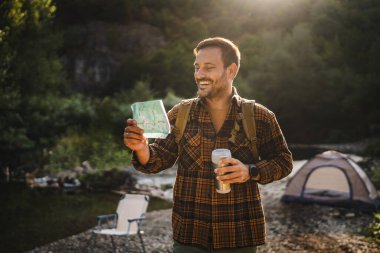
x: 136, y: 163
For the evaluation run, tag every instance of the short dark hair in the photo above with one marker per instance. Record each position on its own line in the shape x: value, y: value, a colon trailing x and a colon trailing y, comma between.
x: 230, y: 52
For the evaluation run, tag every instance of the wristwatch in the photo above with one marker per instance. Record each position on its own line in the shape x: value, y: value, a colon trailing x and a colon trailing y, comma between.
x: 253, y: 171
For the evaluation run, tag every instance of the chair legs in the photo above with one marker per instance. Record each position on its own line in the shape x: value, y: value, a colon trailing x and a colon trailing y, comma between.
x: 126, y: 248
x: 93, y: 243
x: 141, y: 240
x: 113, y: 244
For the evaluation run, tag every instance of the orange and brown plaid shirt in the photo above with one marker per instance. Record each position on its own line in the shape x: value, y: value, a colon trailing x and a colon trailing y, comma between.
x: 201, y: 216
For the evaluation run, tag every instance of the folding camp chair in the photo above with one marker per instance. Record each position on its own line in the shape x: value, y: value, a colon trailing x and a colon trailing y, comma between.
x: 127, y: 220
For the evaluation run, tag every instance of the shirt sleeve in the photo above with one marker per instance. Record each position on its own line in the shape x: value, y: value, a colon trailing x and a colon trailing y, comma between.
x: 162, y: 152
x: 276, y: 159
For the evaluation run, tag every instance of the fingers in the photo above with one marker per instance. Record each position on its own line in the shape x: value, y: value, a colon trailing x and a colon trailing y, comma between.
x: 133, y: 135
x: 237, y: 177
x: 237, y: 172
x: 131, y: 122
x: 132, y: 127
x: 232, y: 165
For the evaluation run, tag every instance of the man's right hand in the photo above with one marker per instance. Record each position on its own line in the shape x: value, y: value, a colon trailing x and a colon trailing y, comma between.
x: 133, y: 137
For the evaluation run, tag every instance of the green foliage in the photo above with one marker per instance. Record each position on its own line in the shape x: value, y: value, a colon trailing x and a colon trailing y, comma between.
x: 110, y: 180
x: 171, y: 100
x: 107, y: 153
x: 375, y: 178
x: 141, y: 92
x: 374, y: 227
x: 283, y: 72
x: 103, y: 152
x: 298, y: 57
x: 34, y: 66
x: 31, y: 80
x: 172, y: 68
x: 68, y: 153
x: 194, y: 29
x: 373, y: 149
x: 314, y: 63
x: 94, y: 128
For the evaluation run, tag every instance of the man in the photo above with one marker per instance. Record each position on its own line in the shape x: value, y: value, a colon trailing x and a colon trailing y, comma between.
x: 204, y: 220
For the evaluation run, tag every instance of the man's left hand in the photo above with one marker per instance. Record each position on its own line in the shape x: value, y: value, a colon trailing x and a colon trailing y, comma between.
x: 237, y: 172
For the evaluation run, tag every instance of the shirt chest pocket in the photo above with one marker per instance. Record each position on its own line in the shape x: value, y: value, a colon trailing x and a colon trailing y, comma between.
x: 240, y: 148
x: 192, y: 139
x: 190, y: 151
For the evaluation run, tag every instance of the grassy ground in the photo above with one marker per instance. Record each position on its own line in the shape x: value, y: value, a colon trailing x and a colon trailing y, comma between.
x: 30, y: 218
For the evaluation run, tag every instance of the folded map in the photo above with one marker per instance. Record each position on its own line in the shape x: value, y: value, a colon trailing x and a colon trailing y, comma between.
x: 151, y: 116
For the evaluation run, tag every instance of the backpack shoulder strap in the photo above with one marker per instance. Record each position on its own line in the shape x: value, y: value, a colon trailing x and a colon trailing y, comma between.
x: 249, y: 125
x: 182, y: 118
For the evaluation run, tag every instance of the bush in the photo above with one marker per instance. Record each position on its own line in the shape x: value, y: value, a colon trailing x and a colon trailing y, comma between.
x: 107, y: 153
x: 113, y: 179
x: 376, y: 177
x: 374, y: 227
x: 171, y: 100
x: 373, y: 149
x: 102, y: 153
x: 68, y: 153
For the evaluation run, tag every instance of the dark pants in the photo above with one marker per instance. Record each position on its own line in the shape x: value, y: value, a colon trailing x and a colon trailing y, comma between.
x: 180, y: 248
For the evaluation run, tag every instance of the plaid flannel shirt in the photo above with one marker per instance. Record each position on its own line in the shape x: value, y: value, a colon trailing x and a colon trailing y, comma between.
x: 201, y: 216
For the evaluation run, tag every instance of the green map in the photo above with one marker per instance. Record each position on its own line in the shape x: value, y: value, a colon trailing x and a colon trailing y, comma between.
x: 151, y: 116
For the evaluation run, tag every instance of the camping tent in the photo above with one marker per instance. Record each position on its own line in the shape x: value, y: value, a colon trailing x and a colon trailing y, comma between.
x: 332, y: 178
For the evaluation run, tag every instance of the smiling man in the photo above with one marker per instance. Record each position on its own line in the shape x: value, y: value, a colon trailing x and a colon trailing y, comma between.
x: 203, y: 219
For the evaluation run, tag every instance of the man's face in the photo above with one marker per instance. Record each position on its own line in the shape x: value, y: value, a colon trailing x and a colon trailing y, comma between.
x: 210, y: 75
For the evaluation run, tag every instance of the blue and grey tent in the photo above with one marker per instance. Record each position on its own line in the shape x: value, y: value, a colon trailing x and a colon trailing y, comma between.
x: 332, y: 178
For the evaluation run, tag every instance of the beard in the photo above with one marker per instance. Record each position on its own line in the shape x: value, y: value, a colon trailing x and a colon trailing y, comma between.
x: 213, y: 88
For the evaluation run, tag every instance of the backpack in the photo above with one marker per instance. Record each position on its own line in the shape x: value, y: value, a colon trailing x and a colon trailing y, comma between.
x: 246, y: 115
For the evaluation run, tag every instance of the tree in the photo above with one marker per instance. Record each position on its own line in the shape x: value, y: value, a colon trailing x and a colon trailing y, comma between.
x: 30, y: 76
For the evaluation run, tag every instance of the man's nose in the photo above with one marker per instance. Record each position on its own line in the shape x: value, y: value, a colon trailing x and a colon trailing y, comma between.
x: 199, y: 74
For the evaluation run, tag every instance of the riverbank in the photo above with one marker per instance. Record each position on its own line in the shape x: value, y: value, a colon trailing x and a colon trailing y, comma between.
x: 290, y: 227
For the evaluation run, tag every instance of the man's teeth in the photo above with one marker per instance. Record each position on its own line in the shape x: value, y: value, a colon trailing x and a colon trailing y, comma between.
x: 204, y: 82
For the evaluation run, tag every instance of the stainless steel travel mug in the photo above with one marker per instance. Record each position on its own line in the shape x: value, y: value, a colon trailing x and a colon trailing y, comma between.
x: 216, y: 157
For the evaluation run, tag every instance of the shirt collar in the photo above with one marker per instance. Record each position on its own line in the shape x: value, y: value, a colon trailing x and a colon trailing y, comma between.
x: 235, y: 99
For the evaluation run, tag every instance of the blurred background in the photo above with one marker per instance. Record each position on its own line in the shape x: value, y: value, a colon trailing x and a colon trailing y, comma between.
x: 69, y: 71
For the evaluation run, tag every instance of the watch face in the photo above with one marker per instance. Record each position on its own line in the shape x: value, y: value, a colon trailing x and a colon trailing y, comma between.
x: 253, y: 171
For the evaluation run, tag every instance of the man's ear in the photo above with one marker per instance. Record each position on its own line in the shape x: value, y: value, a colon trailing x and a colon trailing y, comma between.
x: 232, y: 71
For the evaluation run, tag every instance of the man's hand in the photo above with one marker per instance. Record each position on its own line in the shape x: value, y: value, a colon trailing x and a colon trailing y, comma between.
x: 237, y: 171
x: 133, y: 136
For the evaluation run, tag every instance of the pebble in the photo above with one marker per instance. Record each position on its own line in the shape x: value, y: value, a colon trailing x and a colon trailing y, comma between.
x: 350, y: 215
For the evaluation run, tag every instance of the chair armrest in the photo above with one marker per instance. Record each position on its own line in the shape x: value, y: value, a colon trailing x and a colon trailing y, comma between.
x: 106, y: 217
x: 103, y: 218
x: 136, y: 219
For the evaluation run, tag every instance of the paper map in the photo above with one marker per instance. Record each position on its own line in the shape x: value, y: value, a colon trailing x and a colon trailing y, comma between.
x: 151, y: 116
